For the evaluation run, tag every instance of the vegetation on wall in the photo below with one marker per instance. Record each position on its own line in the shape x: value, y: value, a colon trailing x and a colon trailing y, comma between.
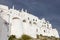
x: 12, y: 37
x: 26, y: 37
x: 39, y: 37
x: 23, y: 37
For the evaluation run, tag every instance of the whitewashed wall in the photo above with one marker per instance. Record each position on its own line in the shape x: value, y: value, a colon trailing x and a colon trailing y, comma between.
x: 3, y: 30
x: 18, y: 27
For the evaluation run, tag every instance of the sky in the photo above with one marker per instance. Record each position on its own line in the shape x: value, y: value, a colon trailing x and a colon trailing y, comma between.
x: 48, y: 9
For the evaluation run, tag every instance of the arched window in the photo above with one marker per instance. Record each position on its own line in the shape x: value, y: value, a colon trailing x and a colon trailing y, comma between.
x: 24, y: 20
x: 15, y: 18
x: 44, y: 30
x: 34, y: 22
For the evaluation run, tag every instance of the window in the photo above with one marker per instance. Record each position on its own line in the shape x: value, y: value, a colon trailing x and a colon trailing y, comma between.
x: 28, y: 18
x: 6, y: 23
x: 30, y: 22
x: 34, y: 22
x: 24, y: 20
x: 44, y: 22
x: 15, y: 18
x: 47, y: 25
x: 33, y: 19
x: 37, y: 36
x: 44, y: 30
x: 1, y: 11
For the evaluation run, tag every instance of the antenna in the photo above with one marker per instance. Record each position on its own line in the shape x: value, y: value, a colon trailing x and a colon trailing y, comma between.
x: 13, y: 7
x: 22, y: 10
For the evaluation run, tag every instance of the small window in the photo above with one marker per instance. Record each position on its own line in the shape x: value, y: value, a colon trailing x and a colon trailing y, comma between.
x: 24, y: 20
x: 1, y: 11
x: 37, y: 36
x: 28, y: 18
x: 6, y: 23
x: 33, y: 19
x: 44, y: 22
x: 30, y: 22
x: 15, y: 18
x: 47, y: 25
x: 34, y: 22
x: 44, y: 30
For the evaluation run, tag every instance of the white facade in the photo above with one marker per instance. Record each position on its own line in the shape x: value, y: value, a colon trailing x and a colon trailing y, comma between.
x: 4, y: 30
x: 21, y: 22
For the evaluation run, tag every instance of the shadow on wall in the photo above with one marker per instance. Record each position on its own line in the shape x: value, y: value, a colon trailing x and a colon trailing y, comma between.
x: 4, y: 29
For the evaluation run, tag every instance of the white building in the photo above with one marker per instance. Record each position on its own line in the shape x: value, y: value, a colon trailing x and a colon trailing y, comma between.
x: 20, y: 22
x: 4, y: 31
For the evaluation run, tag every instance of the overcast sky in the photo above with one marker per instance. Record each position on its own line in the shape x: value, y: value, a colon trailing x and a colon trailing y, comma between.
x: 48, y: 9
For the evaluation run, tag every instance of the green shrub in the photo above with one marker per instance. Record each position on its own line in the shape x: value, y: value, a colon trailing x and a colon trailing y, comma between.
x: 12, y: 37
x: 26, y: 37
